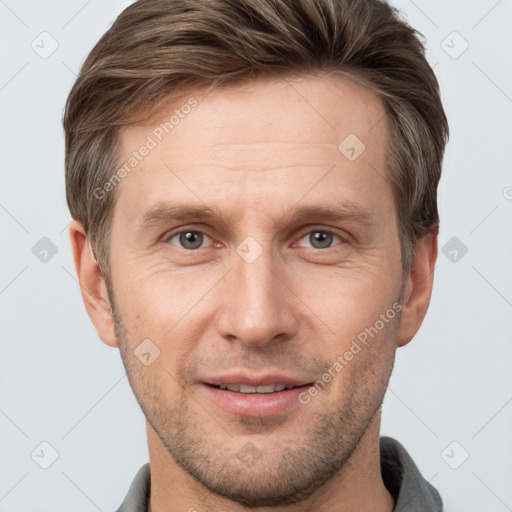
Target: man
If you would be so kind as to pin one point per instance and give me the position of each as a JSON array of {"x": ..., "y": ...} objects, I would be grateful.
[{"x": 253, "y": 184}]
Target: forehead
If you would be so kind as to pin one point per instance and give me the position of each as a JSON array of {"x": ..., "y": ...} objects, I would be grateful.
[
  {"x": 329, "y": 106},
  {"x": 256, "y": 135}
]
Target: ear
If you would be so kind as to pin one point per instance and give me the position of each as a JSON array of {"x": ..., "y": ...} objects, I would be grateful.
[
  {"x": 418, "y": 289},
  {"x": 92, "y": 285}
]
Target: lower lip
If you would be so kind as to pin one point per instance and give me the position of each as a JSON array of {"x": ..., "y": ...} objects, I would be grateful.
[{"x": 255, "y": 404}]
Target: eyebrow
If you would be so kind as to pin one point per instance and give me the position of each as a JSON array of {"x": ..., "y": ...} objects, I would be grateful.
[
  {"x": 165, "y": 212},
  {"x": 345, "y": 211},
  {"x": 161, "y": 213}
]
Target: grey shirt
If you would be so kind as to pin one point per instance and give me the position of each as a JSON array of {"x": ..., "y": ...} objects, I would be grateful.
[{"x": 401, "y": 477}]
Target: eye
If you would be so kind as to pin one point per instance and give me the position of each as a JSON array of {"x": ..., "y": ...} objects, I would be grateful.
[
  {"x": 189, "y": 239},
  {"x": 320, "y": 238}
]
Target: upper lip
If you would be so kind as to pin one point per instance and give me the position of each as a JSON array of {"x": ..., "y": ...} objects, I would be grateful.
[{"x": 255, "y": 380}]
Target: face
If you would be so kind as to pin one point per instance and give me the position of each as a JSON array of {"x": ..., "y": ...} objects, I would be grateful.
[{"x": 250, "y": 250}]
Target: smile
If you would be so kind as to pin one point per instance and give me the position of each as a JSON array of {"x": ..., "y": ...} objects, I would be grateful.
[{"x": 244, "y": 388}]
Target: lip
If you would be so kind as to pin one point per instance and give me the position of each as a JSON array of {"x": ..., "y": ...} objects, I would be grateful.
[{"x": 254, "y": 405}]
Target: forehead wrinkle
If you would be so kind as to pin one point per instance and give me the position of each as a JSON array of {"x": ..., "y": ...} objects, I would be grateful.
[{"x": 264, "y": 156}]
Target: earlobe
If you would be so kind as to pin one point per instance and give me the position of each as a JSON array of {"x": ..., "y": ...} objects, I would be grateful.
[
  {"x": 418, "y": 289},
  {"x": 92, "y": 285}
]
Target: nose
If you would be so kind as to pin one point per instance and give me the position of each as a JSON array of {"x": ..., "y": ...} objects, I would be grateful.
[{"x": 258, "y": 304}]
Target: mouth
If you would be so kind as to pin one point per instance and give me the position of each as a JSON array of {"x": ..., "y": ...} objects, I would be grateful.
[
  {"x": 247, "y": 396},
  {"x": 247, "y": 389}
]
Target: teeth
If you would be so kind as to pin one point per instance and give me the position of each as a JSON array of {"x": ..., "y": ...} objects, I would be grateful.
[
  {"x": 266, "y": 389},
  {"x": 244, "y": 388},
  {"x": 247, "y": 389}
]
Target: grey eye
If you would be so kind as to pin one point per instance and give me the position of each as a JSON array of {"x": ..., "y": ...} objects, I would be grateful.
[
  {"x": 190, "y": 239},
  {"x": 320, "y": 239}
]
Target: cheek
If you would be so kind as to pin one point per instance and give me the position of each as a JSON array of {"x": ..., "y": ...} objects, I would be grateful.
[
  {"x": 155, "y": 342},
  {"x": 153, "y": 354},
  {"x": 347, "y": 302},
  {"x": 155, "y": 300}
]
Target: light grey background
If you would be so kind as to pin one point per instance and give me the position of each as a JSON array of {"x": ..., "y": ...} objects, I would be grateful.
[{"x": 61, "y": 385}]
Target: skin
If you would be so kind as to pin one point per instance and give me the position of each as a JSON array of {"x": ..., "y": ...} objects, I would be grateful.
[{"x": 252, "y": 152}]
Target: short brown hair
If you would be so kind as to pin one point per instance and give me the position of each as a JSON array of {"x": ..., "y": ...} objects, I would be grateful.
[{"x": 157, "y": 49}]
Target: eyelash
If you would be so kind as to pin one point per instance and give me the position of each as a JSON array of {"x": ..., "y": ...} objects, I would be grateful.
[{"x": 342, "y": 239}]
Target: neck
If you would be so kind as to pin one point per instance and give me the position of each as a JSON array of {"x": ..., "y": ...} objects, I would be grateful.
[{"x": 358, "y": 485}]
